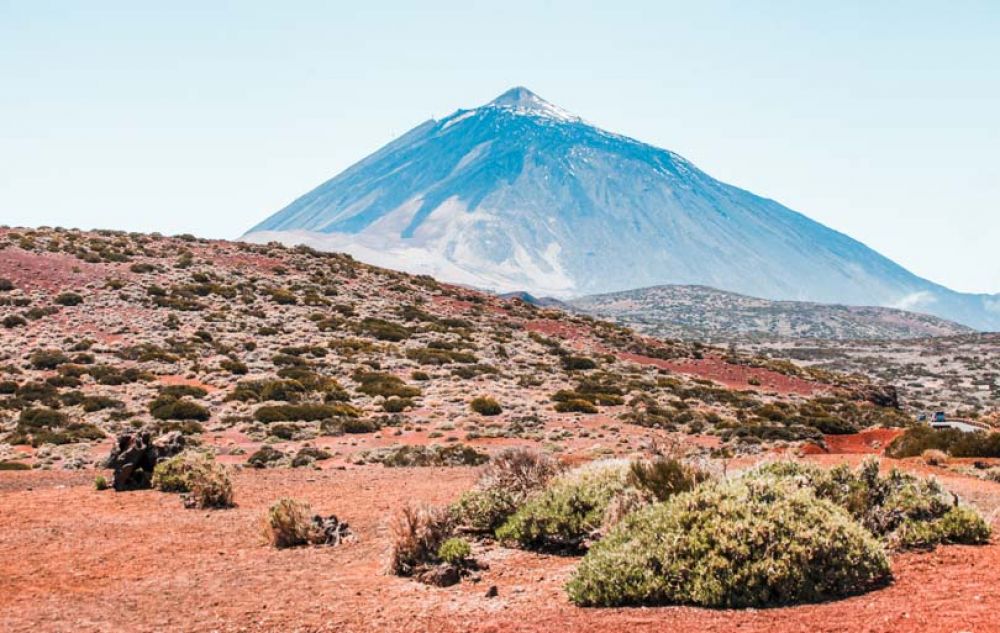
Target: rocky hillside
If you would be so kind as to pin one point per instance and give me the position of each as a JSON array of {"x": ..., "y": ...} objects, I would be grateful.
[
  {"x": 702, "y": 313},
  {"x": 274, "y": 355}
]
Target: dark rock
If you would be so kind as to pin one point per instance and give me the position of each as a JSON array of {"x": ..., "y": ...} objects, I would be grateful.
[
  {"x": 330, "y": 530},
  {"x": 440, "y": 575},
  {"x": 879, "y": 395},
  {"x": 492, "y": 592},
  {"x": 134, "y": 456}
]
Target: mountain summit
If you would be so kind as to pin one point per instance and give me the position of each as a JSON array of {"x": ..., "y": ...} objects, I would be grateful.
[{"x": 519, "y": 194}]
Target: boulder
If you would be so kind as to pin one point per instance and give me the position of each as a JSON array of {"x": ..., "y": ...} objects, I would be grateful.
[{"x": 135, "y": 454}]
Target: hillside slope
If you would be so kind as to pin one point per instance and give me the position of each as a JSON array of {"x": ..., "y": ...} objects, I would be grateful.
[
  {"x": 520, "y": 195},
  {"x": 702, "y": 313}
]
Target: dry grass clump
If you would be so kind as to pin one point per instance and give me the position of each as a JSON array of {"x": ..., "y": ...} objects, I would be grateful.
[
  {"x": 934, "y": 457},
  {"x": 418, "y": 532},
  {"x": 288, "y": 523},
  {"x": 291, "y": 523}
]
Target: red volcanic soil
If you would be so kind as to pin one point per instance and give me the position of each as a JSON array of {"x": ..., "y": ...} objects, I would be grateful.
[
  {"x": 870, "y": 441},
  {"x": 175, "y": 380},
  {"x": 733, "y": 376},
  {"x": 51, "y": 272},
  {"x": 75, "y": 559},
  {"x": 552, "y": 327}
]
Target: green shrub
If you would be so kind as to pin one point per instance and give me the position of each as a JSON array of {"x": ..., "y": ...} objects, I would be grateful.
[
  {"x": 737, "y": 544},
  {"x": 176, "y": 473},
  {"x": 385, "y": 385},
  {"x": 14, "y": 466},
  {"x": 266, "y": 390},
  {"x": 454, "y": 551},
  {"x": 167, "y": 407},
  {"x": 385, "y": 330},
  {"x": 397, "y": 405},
  {"x": 6, "y": 285},
  {"x": 408, "y": 455},
  {"x": 510, "y": 477},
  {"x": 887, "y": 506},
  {"x": 569, "y": 510},
  {"x": 12, "y": 321},
  {"x": 955, "y": 443},
  {"x": 182, "y": 391},
  {"x": 577, "y": 363},
  {"x": 47, "y": 359},
  {"x": 575, "y": 405},
  {"x": 236, "y": 367},
  {"x": 304, "y": 412},
  {"x": 69, "y": 299},
  {"x": 959, "y": 524},
  {"x": 484, "y": 405},
  {"x": 100, "y": 482},
  {"x": 265, "y": 457}
]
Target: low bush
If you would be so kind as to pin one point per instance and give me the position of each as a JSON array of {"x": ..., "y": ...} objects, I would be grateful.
[
  {"x": 506, "y": 482},
  {"x": 567, "y": 512},
  {"x": 484, "y": 405},
  {"x": 890, "y": 506},
  {"x": 304, "y": 412},
  {"x": 385, "y": 385},
  {"x": 385, "y": 330},
  {"x": 955, "y": 443},
  {"x": 407, "y": 455},
  {"x": 206, "y": 482},
  {"x": 266, "y": 390},
  {"x": 575, "y": 405},
  {"x": 737, "y": 544},
  {"x": 265, "y": 457},
  {"x": 47, "y": 359},
  {"x": 934, "y": 457},
  {"x": 69, "y": 299},
  {"x": 12, "y": 321},
  {"x": 454, "y": 551},
  {"x": 167, "y": 407}
]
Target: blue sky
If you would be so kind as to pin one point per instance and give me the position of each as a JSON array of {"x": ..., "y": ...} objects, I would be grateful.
[{"x": 879, "y": 119}]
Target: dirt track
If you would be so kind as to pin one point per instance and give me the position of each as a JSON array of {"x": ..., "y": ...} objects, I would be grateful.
[{"x": 75, "y": 559}]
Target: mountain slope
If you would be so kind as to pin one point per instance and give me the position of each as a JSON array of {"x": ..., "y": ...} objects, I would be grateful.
[
  {"x": 521, "y": 195},
  {"x": 706, "y": 313}
]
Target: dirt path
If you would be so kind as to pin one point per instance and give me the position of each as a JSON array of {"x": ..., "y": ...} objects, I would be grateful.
[{"x": 75, "y": 559}]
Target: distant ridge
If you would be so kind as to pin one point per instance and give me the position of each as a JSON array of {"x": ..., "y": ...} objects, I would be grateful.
[{"x": 699, "y": 312}]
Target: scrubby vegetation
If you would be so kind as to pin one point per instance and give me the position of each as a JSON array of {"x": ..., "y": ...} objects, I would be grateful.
[
  {"x": 569, "y": 510},
  {"x": 484, "y": 405},
  {"x": 206, "y": 483},
  {"x": 952, "y": 442},
  {"x": 505, "y": 483},
  {"x": 747, "y": 543}
]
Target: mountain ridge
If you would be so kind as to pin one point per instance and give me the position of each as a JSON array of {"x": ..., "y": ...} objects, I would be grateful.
[
  {"x": 518, "y": 194},
  {"x": 721, "y": 316}
]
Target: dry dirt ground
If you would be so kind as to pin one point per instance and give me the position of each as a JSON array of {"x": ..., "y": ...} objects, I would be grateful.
[{"x": 76, "y": 559}]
